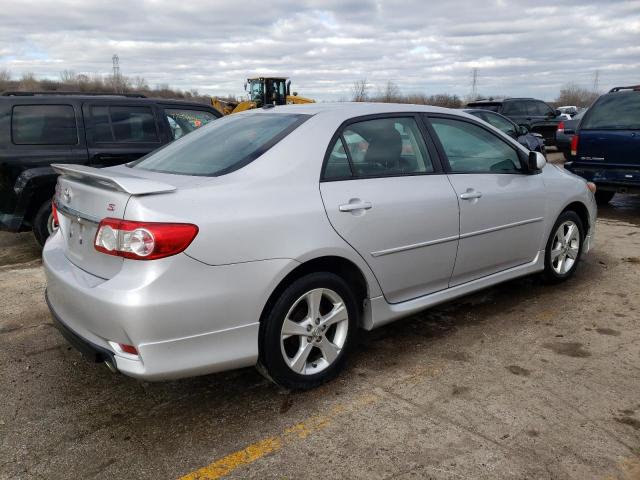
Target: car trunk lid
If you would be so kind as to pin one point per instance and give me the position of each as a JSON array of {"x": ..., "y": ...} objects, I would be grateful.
[{"x": 85, "y": 196}]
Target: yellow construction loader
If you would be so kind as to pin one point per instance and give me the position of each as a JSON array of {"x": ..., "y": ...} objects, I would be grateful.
[{"x": 262, "y": 91}]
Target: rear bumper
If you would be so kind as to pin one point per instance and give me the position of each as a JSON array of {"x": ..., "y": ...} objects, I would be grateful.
[
  {"x": 610, "y": 178},
  {"x": 90, "y": 351},
  {"x": 184, "y": 317}
]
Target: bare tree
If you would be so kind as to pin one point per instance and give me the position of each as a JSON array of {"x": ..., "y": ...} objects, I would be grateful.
[
  {"x": 28, "y": 82},
  {"x": 68, "y": 77},
  {"x": 390, "y": 94},
  {"x": 5, "y": 79},
  {"x": 573, "y": 94},
  {"x": 359, "y": 91}
]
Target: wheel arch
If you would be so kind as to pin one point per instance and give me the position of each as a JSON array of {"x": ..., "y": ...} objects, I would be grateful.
[
  {"x": 582, "y": 211},
  {"x": 338, "y": 265}
]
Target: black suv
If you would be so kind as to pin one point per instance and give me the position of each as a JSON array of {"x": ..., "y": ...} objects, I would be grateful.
[
  {"x": 534, "y": 114},
  {"x": 38, "y": 129}
]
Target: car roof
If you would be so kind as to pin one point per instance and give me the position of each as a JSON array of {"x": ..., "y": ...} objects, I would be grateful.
[
  {"x": 353, "y": 109},
  {"x": 346, "y": 111},
  {"x": 44, "y": 98},
  {"x": 498, "y": 102}
]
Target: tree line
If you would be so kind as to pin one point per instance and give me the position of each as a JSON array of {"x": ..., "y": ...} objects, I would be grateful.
[
  {"x": 361, "y": 90},
  {"x": 70, "y": 81}
]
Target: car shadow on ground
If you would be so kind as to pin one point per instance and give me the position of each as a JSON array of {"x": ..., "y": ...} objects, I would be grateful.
[{"x": 623, "y": 207}]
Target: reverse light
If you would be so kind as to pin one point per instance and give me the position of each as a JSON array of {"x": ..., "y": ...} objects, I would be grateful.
[
  {"x": 574, "y": 145},
  {"x": 143, "y": 240},
  {"x": 560, "y": 127}
]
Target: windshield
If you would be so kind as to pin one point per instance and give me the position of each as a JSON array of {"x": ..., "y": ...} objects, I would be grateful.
[
  {"x": 222, "y": 146},
  {"x": 615, "y": 111},
  {"x": 255, "y": 90}
]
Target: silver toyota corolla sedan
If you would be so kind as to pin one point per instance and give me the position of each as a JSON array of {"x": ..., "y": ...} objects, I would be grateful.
[{"x": 271, "y": 237}]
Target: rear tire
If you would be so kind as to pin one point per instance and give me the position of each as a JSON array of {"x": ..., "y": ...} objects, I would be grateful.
[
  {"x": 603, "y": 196},
  {"x": 564, "y": 248},
  {"x": 43, "y": 224},
  {"x": 311, "y": 348}
]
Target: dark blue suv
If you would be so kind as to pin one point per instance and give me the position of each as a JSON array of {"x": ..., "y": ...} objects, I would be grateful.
[{"x": 606, "y": 146}]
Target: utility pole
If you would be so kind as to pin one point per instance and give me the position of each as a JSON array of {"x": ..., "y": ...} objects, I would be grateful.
[
  {"x": 474, "y": 84},
  {"x": 596, "y": 81},
  {"x": 116, "y": 72}
]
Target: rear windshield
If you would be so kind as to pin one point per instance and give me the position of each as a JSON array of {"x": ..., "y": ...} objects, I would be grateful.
[
  {"x": 615, "y": 111},
  {"x": 222, "y": 146}
]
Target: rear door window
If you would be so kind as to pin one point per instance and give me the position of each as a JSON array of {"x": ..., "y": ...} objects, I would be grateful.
[
  {"x": 378, "y": 148},
  {"x": 615, "y": 111},
  {"x": 124, "y": 124},
  {"x": 44, "y": 125},
  {"x": 472, "y": 149},
  {"x": 222, "y": 146},
  {"x": 183, "y": 121},
  {"x": 515, "y": 108}
]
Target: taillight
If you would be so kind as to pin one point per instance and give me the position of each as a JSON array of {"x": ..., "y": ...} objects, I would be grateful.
[
  {"x": 143, "y": 240},
  {"x": 54, "y": 211},
  {"x": 574, "y": 145},
  {"x": 560, "y": 127}
]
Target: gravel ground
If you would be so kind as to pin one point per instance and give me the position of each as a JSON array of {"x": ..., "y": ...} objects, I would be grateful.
[{"x": 523, "y": 380}]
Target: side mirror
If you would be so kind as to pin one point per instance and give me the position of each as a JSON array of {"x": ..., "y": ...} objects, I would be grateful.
[
  {"x": 288, "y": 87},
  {"x": 557, "y": 112},
  {"x": 536, "y": 161}
]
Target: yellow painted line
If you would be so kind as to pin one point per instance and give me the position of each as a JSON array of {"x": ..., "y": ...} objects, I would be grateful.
[{"x": 255, "y": 451}]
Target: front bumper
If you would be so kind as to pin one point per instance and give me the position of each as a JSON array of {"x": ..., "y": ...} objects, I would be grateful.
[{"x": 184, "y": 317}]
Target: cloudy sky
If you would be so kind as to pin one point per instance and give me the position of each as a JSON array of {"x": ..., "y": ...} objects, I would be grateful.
[{"x": 519, "y": 47}]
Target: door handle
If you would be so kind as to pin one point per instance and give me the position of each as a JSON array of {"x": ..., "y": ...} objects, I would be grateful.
[
  {"x": 355, "y": 204},
  {"x": 470, "y": 194}
]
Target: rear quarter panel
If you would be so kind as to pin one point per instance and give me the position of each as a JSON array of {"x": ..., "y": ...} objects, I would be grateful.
[{"x": 269, "y": 209}]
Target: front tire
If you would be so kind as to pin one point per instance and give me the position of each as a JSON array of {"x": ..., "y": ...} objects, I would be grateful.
[
  {"x": 564, "y": 247},
  {"x": 309, "y": 331},
  {"x": 43, "y": 224}
]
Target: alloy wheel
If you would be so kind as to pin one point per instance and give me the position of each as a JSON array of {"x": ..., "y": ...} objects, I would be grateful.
[
  {"x": 314, "y": 331},
  {"x": 565, "y": 247}
]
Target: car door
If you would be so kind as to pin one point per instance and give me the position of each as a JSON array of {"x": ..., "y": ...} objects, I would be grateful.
[
  {"x": 501, "y": 205},
  {"x": 542, "y": 119},
  {"x": 384, "y": 192},
  {"x": 119, "y": 132}
]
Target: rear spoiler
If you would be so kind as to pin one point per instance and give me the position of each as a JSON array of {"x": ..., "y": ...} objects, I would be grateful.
[{"x": 115, "y": 180}]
